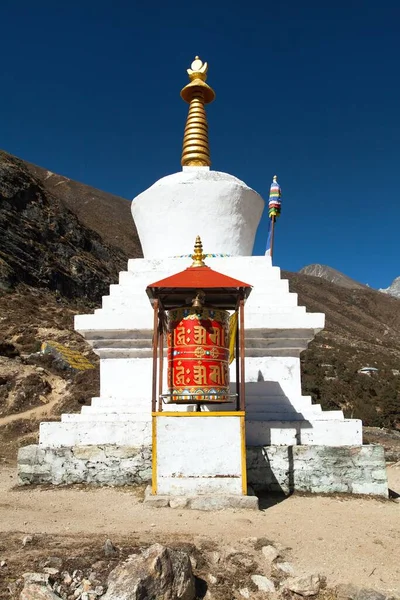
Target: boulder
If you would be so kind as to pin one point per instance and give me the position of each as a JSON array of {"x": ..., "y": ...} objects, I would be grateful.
[
  {"x": 270, "y": 553},
  {"x": 109, "y": 549},
  {"x": 157, "y": 572},
  {"x": 306, "y": 586},
  {"x": 36, "y": 591},
  {"x": 263, "y": 583}
]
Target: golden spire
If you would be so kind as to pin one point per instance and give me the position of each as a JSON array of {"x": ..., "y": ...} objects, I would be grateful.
[
  {"x": 198, "y": 256},
  {"x": 195, "y": 150}
]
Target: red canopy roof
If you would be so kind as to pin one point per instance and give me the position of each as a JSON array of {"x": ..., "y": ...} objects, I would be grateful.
[
  {"x": 221, "y": 291},
  {"x": 199, "y": 277}
]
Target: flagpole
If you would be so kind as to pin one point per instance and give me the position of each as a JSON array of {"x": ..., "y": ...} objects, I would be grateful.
[
  {"x": 272, "y": 236},
  {"x": 274, "y": 210}
]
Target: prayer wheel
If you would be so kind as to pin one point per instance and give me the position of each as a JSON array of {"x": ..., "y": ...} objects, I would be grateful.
[{"x": 198, "y": 355}]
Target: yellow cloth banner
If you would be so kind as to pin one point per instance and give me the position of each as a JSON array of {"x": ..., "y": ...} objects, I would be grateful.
[{"x": 233, "y": 321}]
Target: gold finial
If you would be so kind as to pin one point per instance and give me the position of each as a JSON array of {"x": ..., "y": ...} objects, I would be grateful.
[
  {"x": 198, "y": 256},
  {"x": 197, "y": 93}
]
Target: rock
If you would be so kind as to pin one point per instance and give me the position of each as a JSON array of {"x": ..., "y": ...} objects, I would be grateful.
[
  {"x": 306, "y": 586},
  {"x": 12, "y": 588},
  {"x": 99, "y": 565},
  {"x": 3, "y": 563},
  {"x": 77, "y": 575},
  {"x": 367, "y": 594},
  {"x": 67, "y": 579},
  {"x": 239, "y": 558},
  {"x": 51, "y": 561},
  {"x": 212, "y": 579},
  {"x": 28, "y": 539},
  {"x": 263, "y": 583},
  {"x": 36, "y": 591},
  {"x": 270, "y": 553},
  {"x": 284, "y": 568},
  {"x": 109, "y": 549},
  {"x": 178, "y": 502},
  {"x": 244, "y": 592},
  {"x": 99, "y": 589},
  {"x": 90, "y": 595},
  {"x": 42, "y": 578},
  {"x": 347, "y": 592},
  {"x": 158, "y": 572},
  {"x": 51, "y": 570},
  {"x": 214, "y": 557}
]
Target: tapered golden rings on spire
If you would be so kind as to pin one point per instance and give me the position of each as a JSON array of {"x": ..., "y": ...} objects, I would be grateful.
[
  {"x": 197, "y": 93},
  {"x": 198, "y": 256}
]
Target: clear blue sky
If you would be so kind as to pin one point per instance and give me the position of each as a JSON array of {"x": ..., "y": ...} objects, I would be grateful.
[{"x": 307, "y": 90}]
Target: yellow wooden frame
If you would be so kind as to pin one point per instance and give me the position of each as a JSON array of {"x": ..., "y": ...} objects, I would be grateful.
[{"x": 239, "y": 414}]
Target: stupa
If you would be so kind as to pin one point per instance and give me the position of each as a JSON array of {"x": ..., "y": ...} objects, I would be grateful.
[{"x": 292, "y": 444}]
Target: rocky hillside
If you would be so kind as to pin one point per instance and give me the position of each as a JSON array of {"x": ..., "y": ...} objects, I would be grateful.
[
  {"x": 108, "y": 215},
  {"x": 331, "y": 275},
  {"x": 46, "y": 242},
  {"x": 362, "y": 329}
]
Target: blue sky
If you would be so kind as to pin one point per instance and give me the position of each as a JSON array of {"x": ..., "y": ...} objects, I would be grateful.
[{"x": 306, "y": 90}]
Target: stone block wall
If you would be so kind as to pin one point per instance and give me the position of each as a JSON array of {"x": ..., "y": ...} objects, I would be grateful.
[
  {"x": 318, "y": 469},
  {"x": 98, "y": 465},
  {"x": 312, "y": 469}
]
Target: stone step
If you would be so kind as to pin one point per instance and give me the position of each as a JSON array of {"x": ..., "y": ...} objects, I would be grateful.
[
  {"x": 329, "y": 415},
  {"x": 284, "y": 411},
  {"x": 96, "y": 416},
  {"x": 103, "y": 321},
  {"x": 237, "y": 268},
  {"x": 320, "y": 433},
  {"x": 258, "y": 433},
  {"x": 292, "y": 320},
  {"x": 140, "y": 280},
  {"x": 124, "y": 296},
  {"x": 271, "y": 403},
  {"x": 129, "y": 433}
]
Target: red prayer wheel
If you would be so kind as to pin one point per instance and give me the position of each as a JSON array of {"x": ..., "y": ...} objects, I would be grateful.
[{"x": 198, "y": 355}]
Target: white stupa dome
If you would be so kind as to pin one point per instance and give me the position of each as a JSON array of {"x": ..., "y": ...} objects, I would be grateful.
[{"x": 219, "y": 207}]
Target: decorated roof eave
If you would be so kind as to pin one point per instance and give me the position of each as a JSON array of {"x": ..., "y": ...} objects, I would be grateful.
[{"x": 223, "y": 298}]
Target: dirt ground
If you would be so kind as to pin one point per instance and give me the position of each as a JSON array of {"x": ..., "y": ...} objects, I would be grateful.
[{"x": 349, "y": 540}]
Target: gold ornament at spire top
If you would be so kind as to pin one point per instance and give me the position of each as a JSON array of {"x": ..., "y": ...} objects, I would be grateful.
[
  {"x": 198, "y": 256},
  {"x": 197, "y": 93}
]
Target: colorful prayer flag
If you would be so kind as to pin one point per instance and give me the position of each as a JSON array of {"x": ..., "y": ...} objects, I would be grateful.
[{"x": 274, "y": 206}]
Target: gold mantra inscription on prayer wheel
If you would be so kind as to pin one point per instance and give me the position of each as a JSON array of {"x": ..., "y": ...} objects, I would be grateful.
[{"x": 198, "y": 355}]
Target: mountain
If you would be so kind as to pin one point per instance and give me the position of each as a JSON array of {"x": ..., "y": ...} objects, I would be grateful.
[
  {"x": 108, "y": 215},
  {"x": 62, "y": 243},
  {"x": 332, "y": 275},
  {"x": 393, "y": 289},
  {"x": 59, "y": 234}
]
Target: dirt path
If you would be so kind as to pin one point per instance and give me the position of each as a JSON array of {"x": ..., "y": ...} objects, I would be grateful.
[
  {"x": 348, "y": 540},
  {"x": 58, "y": 390}
]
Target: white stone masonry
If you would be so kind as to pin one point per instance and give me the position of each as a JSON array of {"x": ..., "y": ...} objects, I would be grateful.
[{"x": 277, "y": 331}]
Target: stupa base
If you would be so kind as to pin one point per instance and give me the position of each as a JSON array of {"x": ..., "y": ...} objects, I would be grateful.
[{"x": 270, "y": 469}]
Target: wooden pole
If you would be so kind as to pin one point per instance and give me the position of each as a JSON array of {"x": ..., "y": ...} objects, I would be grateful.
[
  {"x": 272, "y": 235},
  {"x": 155, "y": 345},
  {"x": 242, "y": 355},
  {"x": 237, "y": 361},
  {"x": 160, "y": 358}
]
